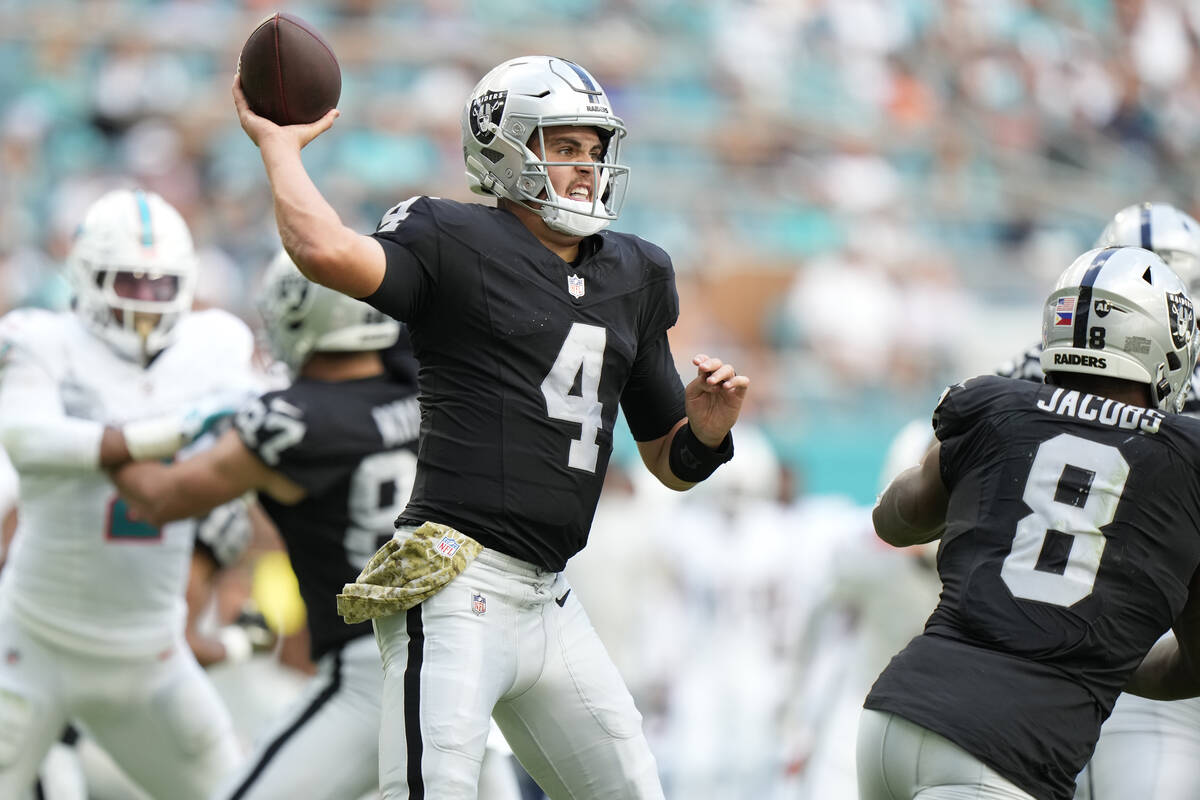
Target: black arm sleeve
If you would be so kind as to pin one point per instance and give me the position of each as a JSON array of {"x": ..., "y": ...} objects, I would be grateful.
[{"x": 653, "y": 400}]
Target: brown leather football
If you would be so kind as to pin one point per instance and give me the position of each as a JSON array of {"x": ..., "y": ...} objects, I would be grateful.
[{"x": 289, "y": 73}]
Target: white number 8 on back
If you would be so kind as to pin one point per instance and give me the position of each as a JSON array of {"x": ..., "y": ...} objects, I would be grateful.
[{"x": 1074, "y": 487}]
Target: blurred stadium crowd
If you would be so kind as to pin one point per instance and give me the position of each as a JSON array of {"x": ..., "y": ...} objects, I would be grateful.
[
  {"x": 858, "y": 194},
  {"x": 865, "y": 200}
]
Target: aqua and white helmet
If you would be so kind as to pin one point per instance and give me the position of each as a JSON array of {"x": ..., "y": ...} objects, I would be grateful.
[
  {"x": 518, "y": 100},
  {"x": 1163, "y": 228},
  {"x": 1123, "y": 313},
  {"x": 133, "y": 271},
  {"x": 301, "y": 317}
]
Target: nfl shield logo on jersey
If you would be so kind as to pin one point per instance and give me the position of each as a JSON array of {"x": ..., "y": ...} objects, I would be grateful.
[
  {"x": 447, "y": 547},
  {"x": 478, "y": 604},
  {"x": 575, "y": 286}
]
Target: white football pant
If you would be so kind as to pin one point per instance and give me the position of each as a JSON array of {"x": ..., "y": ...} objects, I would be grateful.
[
  {"x": 509, "y": 640},
  {"x": 326, "y": 746},
  {"x": 159, "y": 718},
  {"x": 900, "y": 760}
]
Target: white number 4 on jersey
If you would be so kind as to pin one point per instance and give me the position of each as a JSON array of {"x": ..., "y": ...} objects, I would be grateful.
[{"x": 583, "y": 351}]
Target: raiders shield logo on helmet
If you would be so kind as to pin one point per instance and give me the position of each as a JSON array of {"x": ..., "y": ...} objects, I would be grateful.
[
  {"x": 293, "y": 293},
  {"x": 486, "y": 111},
  {"x": 1182, "y": 317}
]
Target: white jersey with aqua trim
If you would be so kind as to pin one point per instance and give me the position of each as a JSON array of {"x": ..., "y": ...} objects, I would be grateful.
[{"x": 81, "y": 572}]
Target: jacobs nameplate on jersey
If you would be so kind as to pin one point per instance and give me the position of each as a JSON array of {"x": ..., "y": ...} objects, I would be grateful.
[{"x": 1110, "y": 412}]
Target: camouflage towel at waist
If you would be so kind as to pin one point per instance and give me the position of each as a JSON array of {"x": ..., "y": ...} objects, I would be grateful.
[{"x": 407, "y": 571}]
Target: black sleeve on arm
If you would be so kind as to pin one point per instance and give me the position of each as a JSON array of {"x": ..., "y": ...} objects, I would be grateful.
[
  {"x": 406, "y": 282},
  {"x": 653, "y": 399}
]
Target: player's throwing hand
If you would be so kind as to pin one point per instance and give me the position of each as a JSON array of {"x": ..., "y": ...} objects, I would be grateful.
[{"x": 259, "y": 128}]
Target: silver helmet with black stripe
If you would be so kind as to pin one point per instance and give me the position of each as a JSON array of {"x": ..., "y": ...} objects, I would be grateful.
[
  {"x": 1121, "y": 312},
  {"x": 301, "y": 317},
  {"x": 515, "y": 102},
  {"x": 1163, "y": 228}
]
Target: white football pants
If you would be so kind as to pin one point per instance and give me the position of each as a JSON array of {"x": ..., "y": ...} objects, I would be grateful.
[
  {"x": 509, "y": 640},
  {"x": 326, "y": 746},
  {"x": 159, "y": 718},
  {"x": 1147, "y": 748},
  {"x": 900, "y": 760}
]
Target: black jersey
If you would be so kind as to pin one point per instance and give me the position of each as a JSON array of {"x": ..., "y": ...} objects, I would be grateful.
[
  {"x": 1072, "y": 533},
  {"x": 523, "y": 362},
  {"x": 1028, "y": 367},
  {"x": 352, "y": 446}
]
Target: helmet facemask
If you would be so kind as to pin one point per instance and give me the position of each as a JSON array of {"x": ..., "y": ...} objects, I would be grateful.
[
  {"x": 511, "y": 108},
  {"x": 565, "y": 214},
  {"x": 143, "y": 305}
]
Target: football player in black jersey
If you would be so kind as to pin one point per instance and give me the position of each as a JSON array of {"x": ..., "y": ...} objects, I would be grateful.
[
  {"x": 332, "y": 459},
  {"x": 1146, "y": 748},
  {"x": 531, "y": 324},
  {"x": 1069, "y": 519}
]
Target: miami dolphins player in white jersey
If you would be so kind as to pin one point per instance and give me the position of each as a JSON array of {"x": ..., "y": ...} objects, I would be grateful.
[
  {"x": 91, "y": 601},
  {"x": 1147, "y": 748}
]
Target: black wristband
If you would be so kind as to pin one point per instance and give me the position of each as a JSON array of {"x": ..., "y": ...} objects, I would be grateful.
[{"x": 691, "y": 460}]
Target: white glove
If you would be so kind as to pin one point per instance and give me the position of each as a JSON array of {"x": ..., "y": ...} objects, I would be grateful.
[{"x": 161, "y": 437}]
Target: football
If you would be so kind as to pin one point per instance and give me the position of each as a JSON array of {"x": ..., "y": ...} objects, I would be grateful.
[{"x": 289, "y": 73}]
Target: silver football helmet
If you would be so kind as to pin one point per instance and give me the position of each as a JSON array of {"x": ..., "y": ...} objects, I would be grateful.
[
  {"x": 516, "y": 101},
  {"x": 1123, "y": 313},
  {"x": 1163, "y": 228},
  {"x": 133, "y": 271},
  {"x": 301, "y": 317}
]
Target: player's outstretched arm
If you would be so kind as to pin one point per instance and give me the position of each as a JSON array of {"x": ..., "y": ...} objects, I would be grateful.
[
  {"x": 1171, "y": 670},
  {"x": 38, "y": 434},
  {"x": 700, "y": 442},
  {"x": 159, "y": 493},
  {"x": 326, "y": 251},
  {"x": 912, "y": 509}
]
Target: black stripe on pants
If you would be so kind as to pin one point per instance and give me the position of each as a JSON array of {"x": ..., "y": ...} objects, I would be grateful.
[
  {"x": 275, "y": 746},
  {"x": 412, "y": 703}
]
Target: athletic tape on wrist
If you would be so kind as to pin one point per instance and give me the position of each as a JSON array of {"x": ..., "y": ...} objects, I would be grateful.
[
  {"x": 151, "y": 439},
  {"x": 691, "y": 460}
]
